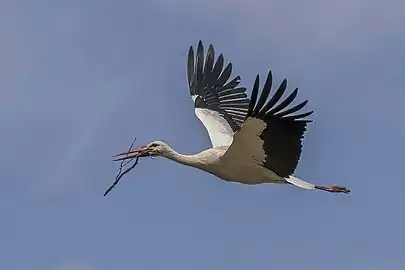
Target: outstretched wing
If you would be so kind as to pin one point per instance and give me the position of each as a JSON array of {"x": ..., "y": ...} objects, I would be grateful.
[
  {"x": 219, "y": 103},
  {"x": 271, "y": 135}
]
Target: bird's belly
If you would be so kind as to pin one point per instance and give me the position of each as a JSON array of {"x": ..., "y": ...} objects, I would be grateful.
[{"x": 245, "y": 173}]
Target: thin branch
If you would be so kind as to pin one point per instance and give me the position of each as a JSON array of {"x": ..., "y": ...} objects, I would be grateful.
[
  {"x": 120, "y": 174},
  {"x": 124, "y": 164}
]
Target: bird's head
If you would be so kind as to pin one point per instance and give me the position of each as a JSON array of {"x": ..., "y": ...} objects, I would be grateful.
[{"x": 155, "y": 148}]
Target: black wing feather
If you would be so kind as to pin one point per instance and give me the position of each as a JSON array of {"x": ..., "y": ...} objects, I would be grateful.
[
  {"x": 225, "y": 75},
  {"x": 219, "y": 64},
  {"x": 253, "y": 97},
  {"x": 231, "y": 85},
  {"x": 283, "y": 134},
  {"x": 274, "y": 99},
  {"x": 212, "y": 88},
  {"x": 293, "y": 109},
  {"x": 209, "y": 63},
  {"x": 200, "y": 64},
  {"x": 266, "y": 92},
  {"x": 285, "y": 102},
  {"x": 190, "y": 71}
]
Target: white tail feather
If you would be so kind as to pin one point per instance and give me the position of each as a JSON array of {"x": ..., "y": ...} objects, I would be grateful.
[{"x": 299, "y": 183}]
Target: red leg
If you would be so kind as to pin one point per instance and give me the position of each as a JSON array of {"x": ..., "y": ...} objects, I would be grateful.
[{"x": 333, "y": 189}]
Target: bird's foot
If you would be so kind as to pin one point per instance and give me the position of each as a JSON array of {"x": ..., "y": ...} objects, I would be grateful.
[
  {"x": 339, "y": 189},
  {"x": 334, "y": 189}
]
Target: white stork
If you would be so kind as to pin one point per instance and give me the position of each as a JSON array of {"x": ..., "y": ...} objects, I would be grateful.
[{"x": 253, "y": 141}]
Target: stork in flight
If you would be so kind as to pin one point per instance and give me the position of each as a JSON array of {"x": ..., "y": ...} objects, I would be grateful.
[{"x": 253, "y": 141}]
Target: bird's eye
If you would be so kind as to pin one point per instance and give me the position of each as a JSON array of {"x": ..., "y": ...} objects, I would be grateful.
[{"x": 154, "y": 145}]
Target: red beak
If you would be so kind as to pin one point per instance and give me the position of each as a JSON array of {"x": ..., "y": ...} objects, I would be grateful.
[{"x": 133, "y": 153}]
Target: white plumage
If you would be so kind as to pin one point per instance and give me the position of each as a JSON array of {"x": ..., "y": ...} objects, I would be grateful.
[
  {"x": 218, "y": 129},
  {"x": 254, "y": 141}
]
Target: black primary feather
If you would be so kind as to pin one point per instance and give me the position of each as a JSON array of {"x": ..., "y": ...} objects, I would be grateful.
[
  {"x": 284, "y": 132},
  {"x": 210, "y": 84}
]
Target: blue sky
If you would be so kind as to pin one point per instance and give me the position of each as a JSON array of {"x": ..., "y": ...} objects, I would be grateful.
[{"x": 79, "y": 79}]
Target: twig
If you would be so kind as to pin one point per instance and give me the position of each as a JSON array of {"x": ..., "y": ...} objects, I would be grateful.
[
  {"x": 122, "y": 165},
  {"x": 120, "y": 175}
]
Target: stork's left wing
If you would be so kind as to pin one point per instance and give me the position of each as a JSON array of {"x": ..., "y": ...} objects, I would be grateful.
[
  {"x": 270, "y": 135},
  {"x": 219, "y": 103}
]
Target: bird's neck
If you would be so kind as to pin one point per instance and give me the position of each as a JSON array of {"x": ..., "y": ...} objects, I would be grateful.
[{"x": 188, "y": 160}]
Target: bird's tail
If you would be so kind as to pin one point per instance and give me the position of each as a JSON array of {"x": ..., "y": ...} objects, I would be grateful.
[{"x": 299, "y": 183}]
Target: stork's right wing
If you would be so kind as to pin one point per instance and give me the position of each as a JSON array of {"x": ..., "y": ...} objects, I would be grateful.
[
  {"x": 270, "y": 135},
  {"x": 219, "y": 104}
]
